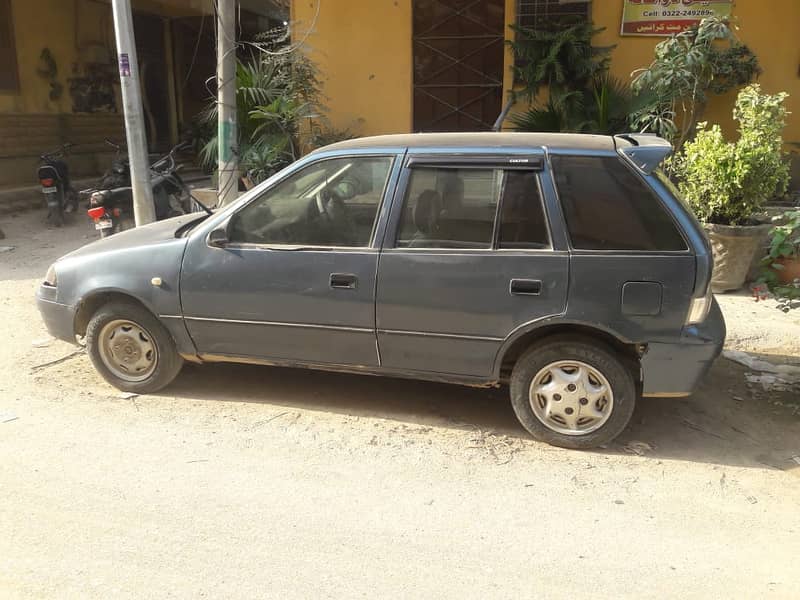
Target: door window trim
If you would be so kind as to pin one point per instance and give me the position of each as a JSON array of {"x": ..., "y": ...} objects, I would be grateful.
[
  {"x": 369, "y": 248},
  {"x": 504, "y": 162}
]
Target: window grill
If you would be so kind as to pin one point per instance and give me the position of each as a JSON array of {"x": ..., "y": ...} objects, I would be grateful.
[{"x": 546, "y": 14}]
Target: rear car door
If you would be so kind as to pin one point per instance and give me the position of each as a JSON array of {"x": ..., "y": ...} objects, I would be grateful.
[
  {"x": 468, "y": 257},
  {"x": 295, "y": 280},
  {"x": 632, "y": 268}
]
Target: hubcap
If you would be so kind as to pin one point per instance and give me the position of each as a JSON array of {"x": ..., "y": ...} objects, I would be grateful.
[
  {"x": 127, "y": 350},
  {"x": 571, "y": 397}
]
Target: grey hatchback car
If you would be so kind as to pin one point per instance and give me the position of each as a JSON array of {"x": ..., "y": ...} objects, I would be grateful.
[{"x": 563, "y": 265}]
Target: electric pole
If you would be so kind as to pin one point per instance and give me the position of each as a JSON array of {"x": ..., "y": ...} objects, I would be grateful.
[
  {"x": 228, "y": 170},
  {"x": 143, "y": 207}
]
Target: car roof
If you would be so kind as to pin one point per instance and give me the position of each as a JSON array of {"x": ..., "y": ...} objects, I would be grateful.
[{"x": 487, "y": 140}]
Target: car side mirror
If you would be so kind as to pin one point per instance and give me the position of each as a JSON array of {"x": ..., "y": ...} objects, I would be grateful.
[{"x": 218, "y": 238}]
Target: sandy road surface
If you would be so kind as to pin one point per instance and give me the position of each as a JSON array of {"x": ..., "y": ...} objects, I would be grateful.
[{"x": 243, "y": 481}]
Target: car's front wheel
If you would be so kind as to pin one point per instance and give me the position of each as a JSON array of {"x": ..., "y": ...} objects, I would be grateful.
[
  {"x": 573, "y": 393},
  {"x": 131, "y": 349}
]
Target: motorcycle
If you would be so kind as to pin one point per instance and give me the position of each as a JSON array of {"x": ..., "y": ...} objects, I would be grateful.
[
  {"x": 110, "y": 206},
  {"x": 54, "y": 178},
  {"x": 119, "y": 175}
]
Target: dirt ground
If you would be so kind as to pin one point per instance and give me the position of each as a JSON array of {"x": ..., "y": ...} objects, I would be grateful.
[{"x": 242, "y": 481}]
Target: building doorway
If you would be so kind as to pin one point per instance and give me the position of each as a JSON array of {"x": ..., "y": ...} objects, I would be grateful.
[{"x": 458, "y": 64}]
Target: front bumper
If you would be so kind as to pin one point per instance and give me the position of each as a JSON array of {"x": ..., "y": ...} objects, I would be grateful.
[
  {"x": 676, "y": 369},
  {"x": 58, "y": 318}
]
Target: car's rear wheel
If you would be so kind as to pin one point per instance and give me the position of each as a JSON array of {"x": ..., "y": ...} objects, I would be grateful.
[
  {"x": 572, "y": 392},
  {"x": 131, "y": 349}
]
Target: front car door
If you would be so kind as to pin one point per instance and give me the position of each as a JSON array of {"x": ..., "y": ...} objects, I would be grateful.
[
  {"x": 295, "y": 280},
  {"x": 468, "y": 258}
]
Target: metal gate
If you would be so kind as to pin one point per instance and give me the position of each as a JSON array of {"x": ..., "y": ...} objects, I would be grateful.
[{"x": 458, "y": 64}]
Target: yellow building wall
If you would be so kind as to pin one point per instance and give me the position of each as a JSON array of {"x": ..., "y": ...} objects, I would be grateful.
[
  {"x": 32, "y": 33},
  {"x": 363, "y": 49}
]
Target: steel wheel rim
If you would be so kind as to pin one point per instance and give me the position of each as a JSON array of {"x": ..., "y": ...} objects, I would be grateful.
[
  {"x": 127, "y": 350},
  {"x": 571, "y": 397}
]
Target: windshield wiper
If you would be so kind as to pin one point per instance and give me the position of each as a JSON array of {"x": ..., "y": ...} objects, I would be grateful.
[{"x": 200, "y": 204}]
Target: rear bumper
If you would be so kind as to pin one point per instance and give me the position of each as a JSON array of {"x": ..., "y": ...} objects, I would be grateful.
[
  {"x": 676, "y": 369},
  {"x": 58, "y": 318}
]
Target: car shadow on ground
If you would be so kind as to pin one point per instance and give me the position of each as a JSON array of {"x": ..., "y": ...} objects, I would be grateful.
[{"x": 725, "y": 422}]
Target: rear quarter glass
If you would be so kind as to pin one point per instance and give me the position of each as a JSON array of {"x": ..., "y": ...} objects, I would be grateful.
[{"x": 607, "y": 206}]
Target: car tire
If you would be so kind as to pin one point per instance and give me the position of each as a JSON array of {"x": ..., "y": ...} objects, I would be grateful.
[
  {"x": 557, "y": 393},
  {"x": 120, "y": 336}
]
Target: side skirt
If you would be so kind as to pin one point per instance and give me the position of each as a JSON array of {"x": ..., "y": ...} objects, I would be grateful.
[{"x": 477, "y": 382}]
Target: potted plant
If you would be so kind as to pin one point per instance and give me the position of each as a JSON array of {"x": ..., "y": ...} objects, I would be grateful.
[
  {"x": 781, "y": 266},
  {"x": 727, "y": 183}
]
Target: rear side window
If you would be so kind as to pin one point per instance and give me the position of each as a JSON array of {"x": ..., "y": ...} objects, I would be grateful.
[
  {"x": 457, "y": 208},
  {"x": 607, "y": 207}
]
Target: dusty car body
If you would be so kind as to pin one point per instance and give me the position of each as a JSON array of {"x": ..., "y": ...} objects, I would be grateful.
[{"x": 466, "y": 258}]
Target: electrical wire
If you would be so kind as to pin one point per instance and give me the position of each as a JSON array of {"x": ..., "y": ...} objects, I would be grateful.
[
  {"x": 196, "y": 49},
  {"x": 291, "y": 48}
]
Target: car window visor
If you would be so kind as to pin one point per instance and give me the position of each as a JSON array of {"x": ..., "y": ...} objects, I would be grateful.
[{"x": 509, "y": 161}]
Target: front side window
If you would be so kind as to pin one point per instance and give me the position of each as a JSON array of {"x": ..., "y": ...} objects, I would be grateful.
[
  {"x": 328, "y": 203},
  {"x": 607, "y": 207},
  {"x": 457, "y": 208}
]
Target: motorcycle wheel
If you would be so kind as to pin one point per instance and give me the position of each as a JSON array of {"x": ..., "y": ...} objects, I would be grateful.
[{"x": 55, "y": 214}]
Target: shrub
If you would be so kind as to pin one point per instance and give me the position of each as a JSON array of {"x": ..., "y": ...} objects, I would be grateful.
[{"x": 728, "y": 182}]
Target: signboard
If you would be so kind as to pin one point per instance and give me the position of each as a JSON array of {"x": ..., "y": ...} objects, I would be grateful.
[{"x": 666, "y": 17}]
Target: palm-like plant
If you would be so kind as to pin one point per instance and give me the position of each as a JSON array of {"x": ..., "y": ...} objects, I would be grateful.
[
  {"x": 274, "y": 93},
  {"x": 557, "y": 114},
  {"x": 558, "y": 57},
  {"x": 604, "y": 106}
]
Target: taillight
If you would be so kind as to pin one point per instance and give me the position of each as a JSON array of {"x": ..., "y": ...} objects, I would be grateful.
[
  {"x": 48, "y": 182},
  {"x": 699, "y": 308},
  {"x": 97, "y": 212}
]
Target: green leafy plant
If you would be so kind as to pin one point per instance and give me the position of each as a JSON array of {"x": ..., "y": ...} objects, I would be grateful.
[
  {"x": 581, "y": 95},
  {"x": 784, "y": 240},
  {"x": 557, "y": 114},
  {"x": 604, "y": 106},
  {"x": 728, "y": 182},
  {"x": 560, "y": 58},
  {"x": 687, "y": 67},
  {"x": 280, "y": 113},
  {"x": 275, "y": 93},
  {"x": 784, "y": 246}
]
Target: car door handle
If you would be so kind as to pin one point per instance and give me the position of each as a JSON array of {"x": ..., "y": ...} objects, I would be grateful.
[
  {"x": 343, "y": 281},
  {"x": 525, "y": 287}
]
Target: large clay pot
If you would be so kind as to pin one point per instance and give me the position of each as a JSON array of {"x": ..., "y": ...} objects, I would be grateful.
[
  {"x": 790, "y": 271},
  {"x": 734, "y": 248}
]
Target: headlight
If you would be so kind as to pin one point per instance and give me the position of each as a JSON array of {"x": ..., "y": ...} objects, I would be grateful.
[
  {"x": 698, "y": 309},
  {"x": 50, "y": 278}
]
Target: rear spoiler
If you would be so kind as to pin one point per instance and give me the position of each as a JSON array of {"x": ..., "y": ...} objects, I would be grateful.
[{"x": 645, "y": 151}]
